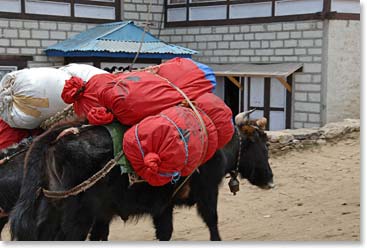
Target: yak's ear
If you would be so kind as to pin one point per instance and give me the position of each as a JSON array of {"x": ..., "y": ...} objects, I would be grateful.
[{"x": 261, "y": 122}]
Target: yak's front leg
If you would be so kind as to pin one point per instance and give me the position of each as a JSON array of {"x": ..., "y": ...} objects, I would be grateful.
[
  {"x": 207, "y": 208},
  {"x": 163, "y": 224},
  {"x": 76, "y": 222},
  {"x": 3, "y": 221},
  {"x": 100, "y": 229}
]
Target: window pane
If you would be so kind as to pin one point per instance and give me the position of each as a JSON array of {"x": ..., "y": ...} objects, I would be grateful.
[
  {"x": 248, "y": 10},
  {"x": 176, "y": 14},
  {"x": 107, "y": 1},
  {"x": 47, "y": 8},
  {"x": 292, "y": 7},
  {"x": 176, "y": 1},
  {"x": 277, "y": 120},
  {"x": 201, "y": 1},
  {"x": 277, "y": 94},
  {"x": 10, "y": 6},
  {"x": 208, "y": 12},
  {"x": 346, "y": 6},
  {"x": 90, "y": 11},
  {"x": 257, "y": 92}
]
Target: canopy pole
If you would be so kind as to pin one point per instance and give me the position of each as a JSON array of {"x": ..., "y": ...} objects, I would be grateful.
[
  {"x": 235, "y": 82},
  {"x": 285, "y": 83}
]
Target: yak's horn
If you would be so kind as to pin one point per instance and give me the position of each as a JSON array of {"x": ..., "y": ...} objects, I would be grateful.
[
  {"x": 242, "y": 117},
  {"x": 262, "y": 122}
]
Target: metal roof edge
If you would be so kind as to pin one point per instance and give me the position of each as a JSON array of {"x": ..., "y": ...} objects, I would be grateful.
[
  {"x": 57, "y": 53},
  {"x": 115, "y": 29}
]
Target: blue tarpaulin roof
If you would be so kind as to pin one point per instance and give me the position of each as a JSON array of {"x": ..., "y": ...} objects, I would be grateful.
[{"x": 119, "y": 40}]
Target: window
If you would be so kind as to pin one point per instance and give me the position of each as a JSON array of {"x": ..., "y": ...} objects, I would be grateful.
[
  {"x": 62, "y": 10},
  {"x": 221, "y": 12},
  {"x": 176, "y": 1},
  {"x": 6, "y": 69},
  {"x": 10, "y": 63},
  {"x": 203, "y": 1},
  {"x": 192, "y": 1}
]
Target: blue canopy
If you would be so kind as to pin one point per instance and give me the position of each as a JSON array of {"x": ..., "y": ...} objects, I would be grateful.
[{"x": 117, "y": 40}]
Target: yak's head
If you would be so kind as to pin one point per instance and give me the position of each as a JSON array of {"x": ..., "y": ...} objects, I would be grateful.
[{"x": 254, "y": 159}]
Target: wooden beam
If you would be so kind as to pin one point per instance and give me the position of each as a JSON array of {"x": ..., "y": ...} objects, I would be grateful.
[
  {"x": 285, "y": 83},
  {"x": 288, "y": 110},
  {"x": 234, "y": 81},
  {"x": 326, "y": 7},
  {"x": 267, "y": 86}
]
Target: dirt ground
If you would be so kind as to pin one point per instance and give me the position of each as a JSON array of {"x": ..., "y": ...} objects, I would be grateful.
[{"x": 317, "y": 197}]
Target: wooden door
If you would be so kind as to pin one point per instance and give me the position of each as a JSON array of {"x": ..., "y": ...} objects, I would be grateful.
[{"x": 271, "y": 101}]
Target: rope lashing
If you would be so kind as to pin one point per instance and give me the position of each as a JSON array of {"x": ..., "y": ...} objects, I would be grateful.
[{"x": 87, "y": 183}]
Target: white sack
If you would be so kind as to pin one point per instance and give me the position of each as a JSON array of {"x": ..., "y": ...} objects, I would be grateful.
[
  {"x": 83, "y": 71},
  {"x": 30, "y": 96}
]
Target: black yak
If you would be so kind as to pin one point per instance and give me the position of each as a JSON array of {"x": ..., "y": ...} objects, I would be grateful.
[
  {"x": 62, "y": 164},
  {"x": 11, "y": 175}
]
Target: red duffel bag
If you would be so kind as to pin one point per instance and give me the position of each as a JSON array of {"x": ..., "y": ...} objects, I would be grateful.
[
  {"x": 220, "y": 114},
  {"x": 185, "y": 72},
  {"x": 10, "y": 136},
  {"x": 162, "y": 147},
  {"x": 83, "y": 95},
  {"x": 133, "y": 96}
]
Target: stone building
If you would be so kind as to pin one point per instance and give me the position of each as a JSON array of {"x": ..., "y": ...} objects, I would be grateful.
[{"x": 322, "y": 36}]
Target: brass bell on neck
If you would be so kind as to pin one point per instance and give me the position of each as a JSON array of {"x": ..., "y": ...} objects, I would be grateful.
[{"x": 234, "y": 185}]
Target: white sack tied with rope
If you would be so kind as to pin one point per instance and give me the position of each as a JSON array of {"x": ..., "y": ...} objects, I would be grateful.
[
  {"x": 30, "y": 96},
  {"x": 82, "y": 71}
]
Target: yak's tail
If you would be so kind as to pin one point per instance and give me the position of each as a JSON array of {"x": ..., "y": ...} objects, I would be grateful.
[{"x": 26, "y": 215}]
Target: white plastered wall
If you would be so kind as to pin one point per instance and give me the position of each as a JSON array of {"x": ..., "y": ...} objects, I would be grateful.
[{"x": 342, "y": 75}]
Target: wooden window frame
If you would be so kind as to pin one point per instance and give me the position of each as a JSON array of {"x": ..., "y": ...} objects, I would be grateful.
[
  {"x": 72, "y": 18},
  {"x": 20, "y": 62},
  {"x": 266, "y": 109},
  {"x": 326, "y": 13}
]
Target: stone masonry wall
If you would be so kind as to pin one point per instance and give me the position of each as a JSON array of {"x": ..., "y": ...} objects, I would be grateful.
[
  {"x": 28, "y": 37},
  {"x": 266, "y": 43},
  {"x": 137, "y": 11},
  {"x": 300, "y": 42},
  {"x": 285, "y": 140}
]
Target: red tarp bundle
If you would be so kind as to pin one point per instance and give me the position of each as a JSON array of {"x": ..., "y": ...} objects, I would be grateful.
[
  {"x": 135, "y": 95},
  {"x": 220, "y": 114},
  {"x": 83, "y": 95},
  {"x": 10, "y": 136},
  {"x": 172, "y": 143},
  {"x": 169, "y": 141}
]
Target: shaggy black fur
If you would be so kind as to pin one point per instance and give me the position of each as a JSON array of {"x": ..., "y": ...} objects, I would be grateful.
[
  {"x": 11, "y": 174},
  {"x": 73, "y": 159}
]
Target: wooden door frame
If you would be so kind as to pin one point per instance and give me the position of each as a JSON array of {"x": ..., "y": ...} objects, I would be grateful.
[{"x": 227, "y": 83}]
